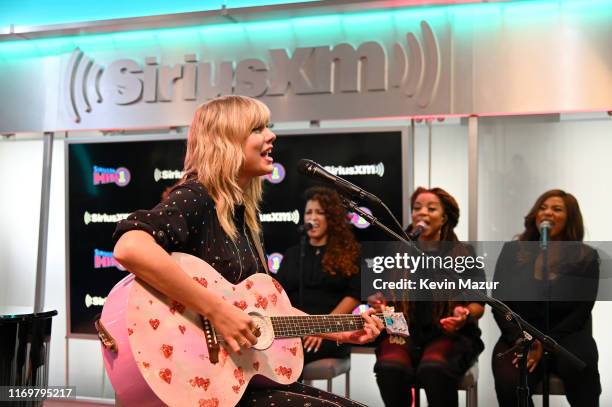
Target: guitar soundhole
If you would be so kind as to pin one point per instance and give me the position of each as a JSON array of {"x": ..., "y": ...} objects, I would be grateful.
[{"x": 264, "y": 325}]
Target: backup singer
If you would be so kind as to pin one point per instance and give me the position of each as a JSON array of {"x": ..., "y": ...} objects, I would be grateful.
[
  {"x": 330, "y": 271},
  {"x": 520, "y": 267},
  {"x": 444, "y": 337},
  {"x": 213, "y": 214}
]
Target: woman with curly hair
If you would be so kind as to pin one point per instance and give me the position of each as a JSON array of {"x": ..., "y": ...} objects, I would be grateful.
[{"x": 330, "y": 280}]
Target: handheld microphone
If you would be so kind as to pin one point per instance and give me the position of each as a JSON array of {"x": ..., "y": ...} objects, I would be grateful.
[
  {"x": 314, "y": 170},
  {"x": 545, "y": 227},
  {"x": 305, "y": 227},
  {"x": 417, "y": 230}
]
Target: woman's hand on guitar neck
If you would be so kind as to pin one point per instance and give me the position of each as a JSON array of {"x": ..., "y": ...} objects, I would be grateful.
[
  {"x": 371, "y": 329},
  {"x": 235, "y": 326},
  {"x": 377, "y": 301}
]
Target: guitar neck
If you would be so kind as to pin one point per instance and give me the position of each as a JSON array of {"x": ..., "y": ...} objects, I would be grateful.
[{"x": 304, "y": 325}]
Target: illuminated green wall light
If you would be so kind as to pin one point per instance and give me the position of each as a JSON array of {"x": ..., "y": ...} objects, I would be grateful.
[
  {"x": 22, "y": 13},
  {"x": 311, "y": 31}
]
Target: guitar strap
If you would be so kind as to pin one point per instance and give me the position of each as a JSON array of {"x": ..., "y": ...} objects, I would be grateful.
[{"x": 260, "y": 251}]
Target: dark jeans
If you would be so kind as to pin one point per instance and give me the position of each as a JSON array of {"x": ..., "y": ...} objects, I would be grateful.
[
  {"x": 582, "y": 388},
  {"x": 436, "y": 366}
]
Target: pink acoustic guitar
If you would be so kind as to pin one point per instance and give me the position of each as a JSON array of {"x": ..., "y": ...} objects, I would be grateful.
[{"x": 157, "y": 352}]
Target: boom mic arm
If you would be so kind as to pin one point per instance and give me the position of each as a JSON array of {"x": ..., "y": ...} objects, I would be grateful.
[{"x": 314, "y": 170}]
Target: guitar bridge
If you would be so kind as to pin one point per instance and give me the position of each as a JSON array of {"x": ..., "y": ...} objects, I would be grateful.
[{"x": 212, "y": 342}]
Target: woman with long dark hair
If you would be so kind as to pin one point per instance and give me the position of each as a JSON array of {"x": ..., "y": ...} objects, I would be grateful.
[
  {"x": 566, "y": 285},
  {"x": 444, "y": 338},
  {"x": 330, "y": 279}
]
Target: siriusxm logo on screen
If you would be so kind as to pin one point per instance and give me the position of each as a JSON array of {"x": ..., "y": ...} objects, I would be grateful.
[
  {"x": 95, "y": 301},
  {"x": 368, "y": 169},
  {"x": 274, "y": 262},
  {"x": 120, "y": 176},
  {"x": 104, "y": 259},
  {"x": 103, "y": 217},
  {"x": 357, "y": 220},
  {"x": 280, "y": 217},
  {"x": 411, "y": 66},
  {"x": 167, "y": 174},
  {"x": 277, "y": 175}
]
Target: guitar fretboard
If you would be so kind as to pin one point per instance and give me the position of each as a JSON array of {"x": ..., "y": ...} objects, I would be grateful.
[{"x": 297, "y": 326}]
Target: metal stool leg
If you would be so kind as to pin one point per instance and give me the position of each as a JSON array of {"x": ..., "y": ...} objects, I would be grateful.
[
  {"x": 347, "y": 385},
  {"x": 471, "y": 396},
  {"x": 329, "y": 385}
]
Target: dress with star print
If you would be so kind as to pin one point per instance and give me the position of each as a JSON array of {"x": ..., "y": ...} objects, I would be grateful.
[{"x": 186, "y": 221}]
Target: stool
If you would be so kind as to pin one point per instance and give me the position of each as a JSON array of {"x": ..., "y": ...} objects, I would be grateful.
[
  {"x": 327, "y": 369},
  {"x": 469, "y": 383}
]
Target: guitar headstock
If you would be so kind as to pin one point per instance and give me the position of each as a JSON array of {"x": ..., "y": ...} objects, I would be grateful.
[{"x": 395, "y": 323}]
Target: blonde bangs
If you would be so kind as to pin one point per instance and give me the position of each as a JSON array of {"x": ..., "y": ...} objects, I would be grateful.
[{"x": 215, "y": 155}]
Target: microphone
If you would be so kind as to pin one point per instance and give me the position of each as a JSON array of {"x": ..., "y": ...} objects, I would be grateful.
[
  {"x": 545, "y": 227},
  {"x": 305, "y": 227},
  {"x": 417, "y": 230},
  {"x": 314, "y": 170}
]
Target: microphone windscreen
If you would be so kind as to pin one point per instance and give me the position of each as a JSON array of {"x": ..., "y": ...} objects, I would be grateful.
[
  {"x": 306, "y": 227},
  {"x": 417, "y": 230},
  {"x": 545, "y": 224},
  {"x": 304, "y": 165}
]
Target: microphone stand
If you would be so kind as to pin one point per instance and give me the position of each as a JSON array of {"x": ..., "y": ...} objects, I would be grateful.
[
  {"x": 529, "y": 332},
  {"x": 351, "y": 205},
  {"x": 522, "y": 390},
  {"x": 546, "y": 379}
]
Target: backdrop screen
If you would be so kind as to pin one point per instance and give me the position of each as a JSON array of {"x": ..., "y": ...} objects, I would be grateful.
[
  {"x": 369, "y": 160},
  {"x": 109, "y": 180}
]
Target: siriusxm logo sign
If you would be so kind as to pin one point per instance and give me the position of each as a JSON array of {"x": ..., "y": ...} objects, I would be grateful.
[
  {"x": 410, "y": 67},
  {"x": 104, "y": 259},
  {"x": 280, "y": 217},
  {"x": 277, "y": 175},
  {"x": 357, "y": 220},
  {"x": 167, "y": 174},
  {"x": 120, "y": 176},
  {"x": 83, "y": 75},
  {"x": 95, "y": 301},
  {"x": 274, "y": 262},
  {"x": 103, "y": 217},
  {"x": 368, "y": 169}
]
